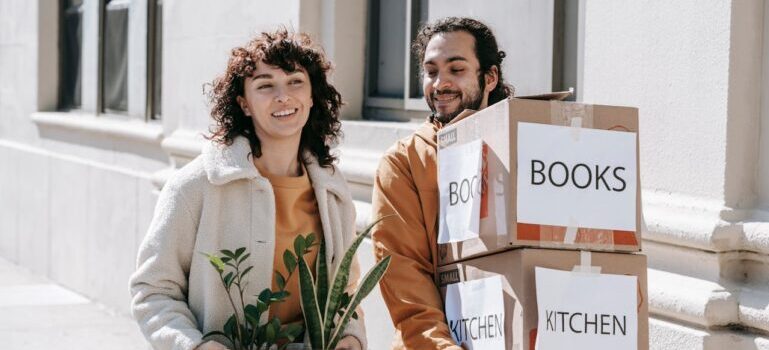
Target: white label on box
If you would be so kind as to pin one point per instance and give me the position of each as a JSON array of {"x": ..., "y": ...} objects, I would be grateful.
[
  {"x": 476, "y": 313},
  {"x": 578, "y": 310},
  {"x": 459, "y": 183},
  {"x": 576, "y": 177}
]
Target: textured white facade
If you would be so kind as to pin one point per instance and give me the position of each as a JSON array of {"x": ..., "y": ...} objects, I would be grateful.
[{"x": 77, "y": 189}]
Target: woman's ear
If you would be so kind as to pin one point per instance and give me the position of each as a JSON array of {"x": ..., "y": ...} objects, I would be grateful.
[
  {"x": 492, "y": 78},
  {"x": 243, "y": 105}
]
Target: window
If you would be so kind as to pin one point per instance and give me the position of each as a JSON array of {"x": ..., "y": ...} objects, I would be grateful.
[
  {"x": 70, "y": 46},
  {"x": 154, "y": 58},
  {"x": 392, "y": 71},
  {"x": 115, "y": 56},
  {"x": 117, "y": 61}
]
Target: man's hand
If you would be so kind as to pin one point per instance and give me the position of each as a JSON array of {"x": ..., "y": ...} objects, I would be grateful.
[
  {"x": 211, "y": 345},
  {"x": 349, "y": 343}
]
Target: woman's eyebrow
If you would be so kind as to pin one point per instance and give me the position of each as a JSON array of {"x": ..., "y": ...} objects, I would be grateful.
[{"x": 263, "y": 76}]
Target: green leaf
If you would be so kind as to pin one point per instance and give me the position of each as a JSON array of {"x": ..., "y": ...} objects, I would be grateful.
[
  {"x": 225, "y": 259},
  {"x": 245, "y": 272},
  {"x": 216, "y": 262},
  {"x": 367, "y": 285},
  {"x": 299, "y": 246},
  {"x": 279, "y": 296},
  {"x": 309, "y": 239},
  {"x": 243, "y": 258},
  {"x": 264, "y": 296},
  {"x": 228, "y": 279},
  {"x": 252, "y": 314},
  {"x": 310, "y": 309},
  {"x": 228, "y": 253},
  {"x": 321, "y": 275},
  {"x": 230, "y": 329},
  {"x": 272, "y": 331},
  {"x": 341, "y": 278},
  {"x": 280, "y": 280},
  {"x": 261, "y": 307},
  {"x": 289, "y": 260},
  {"x": 239, "y": 252},
  {"x": 214, "y": 333}
]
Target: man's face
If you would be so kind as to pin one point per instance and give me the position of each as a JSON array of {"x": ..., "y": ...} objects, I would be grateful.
[{"x": 451, "y": 78}]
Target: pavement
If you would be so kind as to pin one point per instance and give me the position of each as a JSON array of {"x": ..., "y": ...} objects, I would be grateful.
[{"x": 36, "y": 314}]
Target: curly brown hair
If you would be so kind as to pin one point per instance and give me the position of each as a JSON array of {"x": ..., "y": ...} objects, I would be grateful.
[{"x": 287, "y": 51}]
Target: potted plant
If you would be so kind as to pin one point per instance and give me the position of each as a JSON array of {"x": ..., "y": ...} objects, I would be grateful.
[{"x": 326, "y": 306}]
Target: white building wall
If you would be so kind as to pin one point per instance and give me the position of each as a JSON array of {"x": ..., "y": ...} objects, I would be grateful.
[{"x": 77, "y": 190}]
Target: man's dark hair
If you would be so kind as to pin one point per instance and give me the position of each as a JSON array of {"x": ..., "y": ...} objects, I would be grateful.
[{"x": 486, "y": 49}]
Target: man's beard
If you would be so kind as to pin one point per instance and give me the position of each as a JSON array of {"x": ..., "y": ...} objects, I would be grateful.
[{"x": 472, "y": 102}]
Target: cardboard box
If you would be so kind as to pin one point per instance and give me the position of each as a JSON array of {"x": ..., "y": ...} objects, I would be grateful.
[
  {"x": 498, "y": 127},
  {"x": 519, "y": 290}
]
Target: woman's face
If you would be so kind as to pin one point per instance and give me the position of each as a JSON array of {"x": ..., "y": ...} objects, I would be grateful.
[{"x": 278, "y": 102}]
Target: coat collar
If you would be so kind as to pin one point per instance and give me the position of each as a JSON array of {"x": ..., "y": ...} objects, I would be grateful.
[{"x": 224, "y": 164}]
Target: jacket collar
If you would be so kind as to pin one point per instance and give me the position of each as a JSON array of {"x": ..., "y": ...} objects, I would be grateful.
[{"x": 224, "y": 164}]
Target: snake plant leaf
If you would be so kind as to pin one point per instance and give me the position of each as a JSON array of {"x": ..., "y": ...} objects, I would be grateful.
[
  {"x": 309, "y": 303},
  {"x": 367, "y": 285},
  {"x": 341, "y": 277},
  {"x": 321, "y": 276}
]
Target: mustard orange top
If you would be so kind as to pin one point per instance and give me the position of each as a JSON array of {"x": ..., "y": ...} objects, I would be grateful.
[{"x": 296, "y": 213}]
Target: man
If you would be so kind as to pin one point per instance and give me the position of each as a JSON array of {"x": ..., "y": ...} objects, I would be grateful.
[{"x": 460, "y": 69}]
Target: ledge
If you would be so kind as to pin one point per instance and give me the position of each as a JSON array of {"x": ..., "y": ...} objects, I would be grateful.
[
  {"x": 708, "y": 304},
  {"x": 116, "y": 126}
]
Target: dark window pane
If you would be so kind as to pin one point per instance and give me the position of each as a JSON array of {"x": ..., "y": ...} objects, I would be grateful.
[
  {"x": 157, "y": 60},
  {"x": 388, "y": 51},
  {"x": 419, "y": 10},
  {"x": 115, "y": 46},
  {"x": 70, "y": 46}
]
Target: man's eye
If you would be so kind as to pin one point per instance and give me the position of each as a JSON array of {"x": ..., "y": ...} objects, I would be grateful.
[
  {"x": 264, "y": 87},
  {"x": 296, "y": 82},
  {"x": 430, "y": 73},
  {"x": 457, "y": 70}
]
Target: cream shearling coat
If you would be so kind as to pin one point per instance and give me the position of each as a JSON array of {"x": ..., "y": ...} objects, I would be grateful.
[{"x": 220, "y": 201}]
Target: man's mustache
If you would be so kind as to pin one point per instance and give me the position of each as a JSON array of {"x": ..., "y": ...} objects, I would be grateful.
[{"x": 444, "y": 92}]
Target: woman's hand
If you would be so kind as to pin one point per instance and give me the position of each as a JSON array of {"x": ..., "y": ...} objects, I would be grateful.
[
  {"x": 212, "y": 345},
  {"x": 349, "y": 343}
]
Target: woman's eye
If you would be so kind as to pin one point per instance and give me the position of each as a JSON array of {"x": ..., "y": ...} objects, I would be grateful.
[
  {"x": 296, "y": 82},
  {"x": 430, "y": 73},
  {"x": 457, "y": 70},
  {"x": 264, "y": 87}
]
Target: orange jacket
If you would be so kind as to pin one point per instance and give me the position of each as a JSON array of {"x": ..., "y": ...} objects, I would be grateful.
[{"x": 407, "y": 185}]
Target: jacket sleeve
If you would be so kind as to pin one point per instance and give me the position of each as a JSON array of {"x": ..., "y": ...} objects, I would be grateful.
[
  {"x": 159, "y": 285},
  {"x": 408, "y": 287}
]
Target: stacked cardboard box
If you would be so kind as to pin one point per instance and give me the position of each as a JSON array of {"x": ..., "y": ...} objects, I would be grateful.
[{"x": 510, "y": 242}]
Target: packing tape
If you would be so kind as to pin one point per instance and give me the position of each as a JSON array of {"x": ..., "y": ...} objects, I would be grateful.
[
  {"x": 571, "y": 231},
  {"x": 576, "y": 126},
  {"x": 575, "y": 115},
  {"x": 586, "y": 263}
]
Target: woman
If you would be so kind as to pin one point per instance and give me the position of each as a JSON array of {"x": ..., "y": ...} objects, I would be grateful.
[{"x": 264, "y": 177}]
